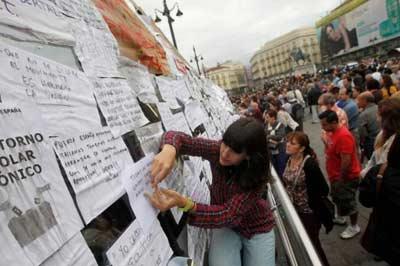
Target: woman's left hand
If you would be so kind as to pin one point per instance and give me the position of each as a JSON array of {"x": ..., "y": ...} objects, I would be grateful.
[{"x": 165, "y": 199}]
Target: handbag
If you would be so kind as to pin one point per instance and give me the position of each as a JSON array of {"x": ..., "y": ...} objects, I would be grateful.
[{"x": 367, "y": 187}]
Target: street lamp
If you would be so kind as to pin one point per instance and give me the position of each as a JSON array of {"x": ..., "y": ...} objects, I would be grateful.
[
  {"x": 197, "y": 58},
  {"x": 167, "y": 13}
]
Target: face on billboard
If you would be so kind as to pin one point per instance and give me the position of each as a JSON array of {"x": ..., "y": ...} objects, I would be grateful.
[
  {"x": 368, "y": 24},
  {"x": 332, "y": 33}
]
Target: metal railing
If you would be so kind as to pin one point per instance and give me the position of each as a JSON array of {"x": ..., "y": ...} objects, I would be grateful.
[{"x": 298, "y": 247}]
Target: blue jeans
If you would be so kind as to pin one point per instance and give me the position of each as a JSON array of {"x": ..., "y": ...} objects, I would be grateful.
[{"x": 226, "y": 246}]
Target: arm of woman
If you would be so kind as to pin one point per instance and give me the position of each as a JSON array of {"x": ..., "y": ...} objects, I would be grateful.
[
  {"x": 202, "y": 215},
  {"x": 174, "y": 143},
  {"x": 229, "y": 214},
  {"x": 186, "y": 145}
]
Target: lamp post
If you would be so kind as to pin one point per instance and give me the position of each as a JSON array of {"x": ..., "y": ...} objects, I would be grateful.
[
  {"x": 197, "y": 58},
  {"x": 167, "y": 13}
]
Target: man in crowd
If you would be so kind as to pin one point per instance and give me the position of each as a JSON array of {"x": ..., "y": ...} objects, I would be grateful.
[
  {"x": 343, "y": 170},
  {"x": 328, "y": 102},
  {"x": 313, "y": 96},
  {"x": 374, "y": 87},
  {"x": 368, "y": 126},
  {"x": 351, "y": 110}
]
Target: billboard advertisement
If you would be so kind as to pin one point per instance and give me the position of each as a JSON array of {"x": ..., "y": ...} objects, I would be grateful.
[{"x": 368, "y": 24}]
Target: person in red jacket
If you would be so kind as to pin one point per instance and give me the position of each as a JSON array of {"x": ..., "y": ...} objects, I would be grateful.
[{"x": 239, "y": 216}]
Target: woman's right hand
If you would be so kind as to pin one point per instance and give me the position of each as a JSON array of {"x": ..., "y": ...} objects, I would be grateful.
[{"x": 162, "y": 164}]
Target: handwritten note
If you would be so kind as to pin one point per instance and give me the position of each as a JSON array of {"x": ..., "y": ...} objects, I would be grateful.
[
  {"x": 42, "y": 19},
  {"x": 165, "y": 111},
  {"x": 119, "y": 105},
  {"x": 150, "y": 137},
  {"x": 139, "y": 79},
  {"x": 195, "y": 114},
  {"x": 136, "y": 180},
  {"x": 197, "y": 243},
  {"x": 177, "y": 123},
  {"x": 97, "y": 50},
  {"x": 75, "y": 252},
  {"x": 85, "y": 11},
  {"x": 166, "y": 87},
  {"x": 93, "y": 162},
  {"x": 61, "y": 93},
  {"x": 181, "y": 90},
  {"x": 136, "y": 247}
]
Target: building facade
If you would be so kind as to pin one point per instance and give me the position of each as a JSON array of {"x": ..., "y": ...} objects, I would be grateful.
[
  {"x": 230, "y": 76},
  {"x": 280, "y": 57}
]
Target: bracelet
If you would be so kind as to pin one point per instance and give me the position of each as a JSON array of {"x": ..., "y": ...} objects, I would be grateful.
[
  {"x": 188, "y": 206},
  {"x": 379, "y": 176}
]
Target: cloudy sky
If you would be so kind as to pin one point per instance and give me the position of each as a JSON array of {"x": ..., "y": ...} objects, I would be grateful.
[{"x": 234, "y": 29}]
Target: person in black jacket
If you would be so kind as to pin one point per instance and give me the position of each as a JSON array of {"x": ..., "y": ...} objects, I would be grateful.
[
  {"x": 312, "y": 97},
  {"x": 307, "y": 188}
]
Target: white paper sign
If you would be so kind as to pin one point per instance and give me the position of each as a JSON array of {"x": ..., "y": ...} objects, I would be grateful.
[
  {"x": 97, "y": 51},
  {"x": 165, "y": 112},
  {"x": 61, "y": 93},
  {"x": 74, "y": 253},
  {"x": 85, "y": 11},
  {"x": 42, "y": 19},
  {"x": 197, "y": 243},
  {"x": 167, "y": 91},
  {"x": 119, "y": 105},
  {"x": 195, "y": 164},
  {"x": 208, "y": 171},
  {"x": 181, "y": 90},
  {"x": 150, "y": 137},
  {"x": 177, "y": 182},
  {"x": 37, "y": 215},
  {"x": 139, "y": 79},
  {"x": 136, "y": 181},
  {"x": 136, "y": 247},
  {"x": 177, "y": 123},
  {"x": 201, "y": 193},
  {"x": 93, "y": 162},
  {"x": 194, "y": 114}
]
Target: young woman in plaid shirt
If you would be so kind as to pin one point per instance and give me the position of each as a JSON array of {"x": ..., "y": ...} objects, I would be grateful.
[{"x": 239, "y": 216}]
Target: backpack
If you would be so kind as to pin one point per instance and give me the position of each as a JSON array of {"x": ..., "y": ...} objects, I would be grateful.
[{"x": 297, "y": 112}]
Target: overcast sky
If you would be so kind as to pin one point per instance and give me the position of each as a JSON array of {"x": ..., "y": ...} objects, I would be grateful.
[{"x": 234, "y": 29}]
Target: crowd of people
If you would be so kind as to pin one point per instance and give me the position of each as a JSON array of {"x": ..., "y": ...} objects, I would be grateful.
[{"x": 359, "y": 113}]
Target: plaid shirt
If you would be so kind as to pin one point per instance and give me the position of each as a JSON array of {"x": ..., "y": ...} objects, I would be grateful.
[{"x": 245, "y": 212}]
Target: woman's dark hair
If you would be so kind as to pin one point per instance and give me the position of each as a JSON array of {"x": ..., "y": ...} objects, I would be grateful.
[
  {"x": 272, "y": 113},
  {"x": 277, "y": 104},
  {"x": 387, "y": 81},
  {"x": 373, "y": 84},
  {"x": 330, "y": 25},
  {"x": 389, "y": 110},
  {"x": 334, "y": 90},
  {"x": 304, "y": 141},
  {"x": 243, "y": 105},
  {"x": 254, "y": 98},
  {"x": 248, "y": 135}
]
